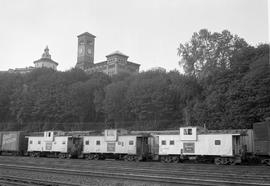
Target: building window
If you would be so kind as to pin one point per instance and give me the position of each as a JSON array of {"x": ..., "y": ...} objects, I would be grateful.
[
  {"x": 87, "y": 142},
  {"x": 171, "y": 142},
  {"x": 163, "y": 142},
  {"x": 217, "y": 142},
  {"x": 38, "y": 142},
  {"x": 98, "y": 142},
  {"x": 187, "y": 131},
  {"x": 131, "y": 142},
  {"x": 30, "y": 142},
  {"x": 63, "y": 142}
]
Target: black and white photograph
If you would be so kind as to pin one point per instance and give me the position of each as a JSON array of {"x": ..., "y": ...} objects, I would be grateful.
[{"x": 134, "y": 92}]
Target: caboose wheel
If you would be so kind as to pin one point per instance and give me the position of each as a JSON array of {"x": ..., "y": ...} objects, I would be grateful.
[
  {"x": 61, "y": 155},
  {"x": 169, "y": 159},
  {"x": 125, "y": 158},
  {"x": 218, "y": 161},
  {"x": 96, "y": 157},
  {"x": 232, "y": 162},
  {"x": 89, "y": 156},
  {"x": 175, "y": 159},
  {"x": 162, "y": 159},
  {"x": 267, "y": 162}
]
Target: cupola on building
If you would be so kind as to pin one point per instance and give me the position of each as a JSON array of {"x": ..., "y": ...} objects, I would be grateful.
[{"x": 46, "y": 61}]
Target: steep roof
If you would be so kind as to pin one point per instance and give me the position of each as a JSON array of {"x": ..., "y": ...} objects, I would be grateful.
[
  {"x": 86, "y": 33},
  {"x": 117, "y": 52}
]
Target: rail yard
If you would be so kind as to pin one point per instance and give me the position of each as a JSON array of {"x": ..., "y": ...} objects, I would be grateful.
[{"x": 48, "y": 171}]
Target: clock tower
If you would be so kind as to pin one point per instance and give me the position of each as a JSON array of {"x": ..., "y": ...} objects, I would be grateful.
[{"x": 86, "y": 46}]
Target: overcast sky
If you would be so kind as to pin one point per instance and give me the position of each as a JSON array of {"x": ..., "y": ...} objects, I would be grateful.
[{"x": 148, "y": 31}]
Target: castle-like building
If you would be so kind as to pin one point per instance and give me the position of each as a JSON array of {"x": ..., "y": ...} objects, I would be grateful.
[{"x": 116, "y": 62}]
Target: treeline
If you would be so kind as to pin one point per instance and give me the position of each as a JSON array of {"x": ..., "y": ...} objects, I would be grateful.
[{"x": 226, "y": 85}]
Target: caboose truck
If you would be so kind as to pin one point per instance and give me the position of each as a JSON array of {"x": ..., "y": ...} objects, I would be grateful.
[
  {"x": 115, "y": 144},
  {"x": 54, "y": 144},
  {"x": 262, "y": 141},
  {"x": 195, "y": 143}
]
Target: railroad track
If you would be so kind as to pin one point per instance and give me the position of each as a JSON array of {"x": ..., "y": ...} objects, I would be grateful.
[
  {"x": 226, "y": 174},
  {"x": 22, "y": 181},
  {"x": 177, "y": 180}
]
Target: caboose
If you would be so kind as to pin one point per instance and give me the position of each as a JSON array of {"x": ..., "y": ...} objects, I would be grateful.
[
  {"x": 116, "y": 144},
  {"x": 199, "y": 144},
  {"x": 54, "y": 144}
]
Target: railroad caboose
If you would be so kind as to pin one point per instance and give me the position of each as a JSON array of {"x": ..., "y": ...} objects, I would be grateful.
[
  {"x": 54, "y": 144},
  {"x": 199, "y": 144},
  {"x": 116, "y": 144}
]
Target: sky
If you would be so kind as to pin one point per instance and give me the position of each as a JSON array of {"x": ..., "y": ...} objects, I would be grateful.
[{"x": 148, "y": 31}]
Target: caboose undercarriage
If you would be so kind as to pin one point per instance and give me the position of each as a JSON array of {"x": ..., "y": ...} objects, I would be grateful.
[
  {"x": 200, "y": 159},
  {"x": 50, "y": 154},
  {"x": 102, "y": 156}
]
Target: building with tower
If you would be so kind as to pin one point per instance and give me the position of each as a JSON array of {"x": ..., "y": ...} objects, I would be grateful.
[
  {"x": 116, "y": 62},
  {"x": 44, "y": 62}
]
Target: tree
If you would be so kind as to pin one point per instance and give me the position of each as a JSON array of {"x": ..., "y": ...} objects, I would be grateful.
[
  {"x": 239, "y": 96},
  {"x": 208, "y": 52}
]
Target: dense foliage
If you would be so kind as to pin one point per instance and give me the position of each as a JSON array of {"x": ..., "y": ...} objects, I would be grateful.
[
  {"x": 235, "y": 79},
  {"x": 226, "y": 85}
]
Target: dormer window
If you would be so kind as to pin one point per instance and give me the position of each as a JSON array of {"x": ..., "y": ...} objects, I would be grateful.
[{"x": 187, "y": 131}]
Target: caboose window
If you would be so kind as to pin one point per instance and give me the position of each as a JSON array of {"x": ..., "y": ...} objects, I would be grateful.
[
  {"x": 98, "y": 142},
  {"x": 217, "y": 142},
  {"x": 110, "y": 133},
  {"x": 171, "y": 142},
  {"x": 187, "y": 131},
  {"x": 131, "y": 142},
  {"x": 163, "y": 142},
  {"x": 87, "y": 142}
]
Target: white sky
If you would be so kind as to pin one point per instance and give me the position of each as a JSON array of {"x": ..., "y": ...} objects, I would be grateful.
[{"x": 148, "y": 31}]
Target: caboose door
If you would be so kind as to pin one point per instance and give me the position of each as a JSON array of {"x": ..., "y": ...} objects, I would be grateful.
[
  {"x": 75, "y": 146},
  {"x": 236, "y": 144},
  {"x": 142, "y": 146}
]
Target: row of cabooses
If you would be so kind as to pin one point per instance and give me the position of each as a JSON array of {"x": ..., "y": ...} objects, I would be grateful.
[
  {"x": 94, "y": 146},
  {"x": 159, "y": 144},
  {"x": 131, "y": 146}
]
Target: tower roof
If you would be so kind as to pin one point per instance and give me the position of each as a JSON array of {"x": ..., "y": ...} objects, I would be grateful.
[
  {"x": 46, "y": 53},
  {"x": 117, "y": 52},
  {"x": 46, "y": 57},
  {"x": 87, "y": 34}
]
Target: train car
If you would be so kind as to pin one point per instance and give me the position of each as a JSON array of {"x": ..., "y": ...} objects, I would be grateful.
[
  {"x": 13, "y": 143},
  {"x": 54, "y": 144},
  {"x": 262, "y": 141},
  {"x": 115, "y": 145},
  {"x": 195, "y": 143}
]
